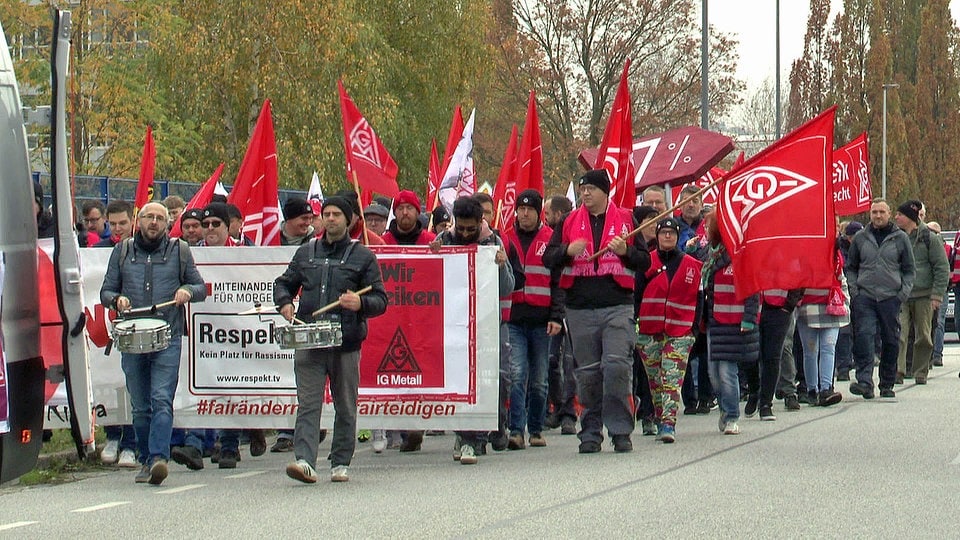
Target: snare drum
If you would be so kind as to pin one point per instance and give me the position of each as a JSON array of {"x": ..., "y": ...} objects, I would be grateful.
[
  {"x": 319, "y": 335},
  {"x": 140, "y": 336}
]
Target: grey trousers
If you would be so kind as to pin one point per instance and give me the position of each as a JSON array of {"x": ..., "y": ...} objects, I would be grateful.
[
  {"x": 603, "y": 341},
  {"x": 787, "y": 382},
  {"x": 312, "y": 368}
]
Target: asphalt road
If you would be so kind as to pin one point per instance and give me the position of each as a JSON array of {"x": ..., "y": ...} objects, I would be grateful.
[{"x": 877, "y": 469}]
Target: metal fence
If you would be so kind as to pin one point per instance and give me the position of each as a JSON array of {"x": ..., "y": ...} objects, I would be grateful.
[{"x": 111, "y": 188}]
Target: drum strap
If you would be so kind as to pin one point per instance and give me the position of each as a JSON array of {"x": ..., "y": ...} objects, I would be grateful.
[{"x": 126, "y": 245}]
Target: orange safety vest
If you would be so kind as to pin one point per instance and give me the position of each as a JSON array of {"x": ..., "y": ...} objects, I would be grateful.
[
  {"x": 617, "y": 221},
  {"x": 726, "y": 309},
  {"x": 536, "y": 288},
  {"x": 670, "y": 307}
]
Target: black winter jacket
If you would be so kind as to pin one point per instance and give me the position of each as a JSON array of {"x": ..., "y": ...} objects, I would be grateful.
[
  {"x": 728, "y": 342},
  {"x": 320, "y": 272}
]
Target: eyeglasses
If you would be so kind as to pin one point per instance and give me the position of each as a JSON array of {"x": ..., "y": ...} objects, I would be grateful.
[
  {"x": 211, "y": 224},
  {"x": 470, "y": 230},
  {"x": 153, "y": 217},
  {"x": 92, "y": 219}
]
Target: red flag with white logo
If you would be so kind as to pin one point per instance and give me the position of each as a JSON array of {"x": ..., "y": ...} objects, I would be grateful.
[
  {"x": 147, "y": 165},
  {"x": 505, "y": 190},
  {"x": 616, "y": 150},
  {"x": 433, "y": 177},
  {"x": 851, "y": 177},
  {"x": 255, "y": 191},
  {"x": 453, "y": 138},
  {"x": 776, "y": 213},
  {"x": 200, "y": 199},
  {"x": 367, "y": 158}
]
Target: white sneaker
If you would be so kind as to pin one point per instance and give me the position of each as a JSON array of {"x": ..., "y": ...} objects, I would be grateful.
[
  {"x": 732, "y": 428},
  {"x": 302, "y": 471},
  {"x": 110, "y": 452},
  {"x": 467, "y": 455},
  {"x": 128, "y": 459},
  {"x": 340, "y": 473},
  {"x": 379, "y": 440}
]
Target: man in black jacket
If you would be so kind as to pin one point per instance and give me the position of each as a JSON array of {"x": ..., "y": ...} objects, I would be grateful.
[{"x": 322, "y": 271}]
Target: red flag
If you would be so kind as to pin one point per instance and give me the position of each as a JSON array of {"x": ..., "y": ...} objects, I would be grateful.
[
  {"x": 147, "y": 164},
  {"x": 453, "y": 138},
  {"x": 433, "y": 177},
  {"x": 367, "y": 158},
  {"x": 505, "y": 191},
  {"x": 851, "y": 177},
  {"x": 775, "y": 212},
  {"x": 616, "y": 150},
  {"x": 255, "y": 191},
  {"x": 530, "y": 158},
  {"x": 200, "y": 199}
]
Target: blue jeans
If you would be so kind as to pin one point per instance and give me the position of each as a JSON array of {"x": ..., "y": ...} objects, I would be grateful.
[
  {"x": 529, "y": 363},
  {"x": 125, "y": 435},
  {"x": 725, "y": 379},
  {"x": 868, "y": 316},
  {"x": 201, "y": 439},
  {"x": 151, "y": 383},
  {"x": 938, "y": 331},
  {"x": 819, "y": 353}
]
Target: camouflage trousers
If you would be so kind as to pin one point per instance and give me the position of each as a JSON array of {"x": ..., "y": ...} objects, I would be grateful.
[{"x": 665, "y": 359}]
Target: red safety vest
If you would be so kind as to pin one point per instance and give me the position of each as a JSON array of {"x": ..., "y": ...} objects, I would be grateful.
[
  {"x": 815, "y": 296},
  {"x": 536, "y": 288},
  {"x": 423, "y": 239},
  {"x": 577, "y": 226},
  {"x": 775, "y": 297},
  {"x": 670, "y": 307},
  {"x": 726, "y": 309}
]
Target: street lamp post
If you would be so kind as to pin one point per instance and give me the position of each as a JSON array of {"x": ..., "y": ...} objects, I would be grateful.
[{"x": 883, "y": 162}]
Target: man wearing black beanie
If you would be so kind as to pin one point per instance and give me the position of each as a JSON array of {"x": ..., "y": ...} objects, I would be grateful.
[{"x": 598, "y": 268}]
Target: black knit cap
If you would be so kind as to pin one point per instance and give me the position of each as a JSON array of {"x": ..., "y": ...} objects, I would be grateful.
[
  {"x": 531, "y": 198},
  {"x": 342, "y": 203},
  {"x": 216, "y": 210},
  {"x": 668, "y": 223},
  {"x": 596, "y": 177},
  {"x": 296, "y": 207},
  {"x": 440, "y": 215},
  {"x": 193, "y": 213},
  {"x": 911, "y": 209}
]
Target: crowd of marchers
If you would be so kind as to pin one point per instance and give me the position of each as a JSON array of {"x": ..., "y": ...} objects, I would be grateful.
[{"x": 611, "y": 318}]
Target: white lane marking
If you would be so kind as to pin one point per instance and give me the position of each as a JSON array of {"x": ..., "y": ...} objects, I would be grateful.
[
  {"x": 247, "y": 474},
  {"x": 180, "y": 489},
  {"x": 103, "y": 506},
  {"x": 17, "y": 524}
]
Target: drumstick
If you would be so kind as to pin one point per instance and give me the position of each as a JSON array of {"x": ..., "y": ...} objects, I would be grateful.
[
  {"x": 332, "y": 305},
  {"x": 163, "y": 305}
]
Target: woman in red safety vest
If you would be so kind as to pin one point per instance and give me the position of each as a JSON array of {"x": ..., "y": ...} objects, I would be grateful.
[
  {"x": 665, "y": 323},
  {"x": 731, "y": 327},
  {"x": 818, "y": 333}
]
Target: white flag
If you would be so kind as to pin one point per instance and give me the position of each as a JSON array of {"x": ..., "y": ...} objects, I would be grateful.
[
  {"x": 315, "y": 195},
  {"x": 571, "y": 194},
  {"x": 460, "y": 170},
  {"x": 220, "y": 190}
]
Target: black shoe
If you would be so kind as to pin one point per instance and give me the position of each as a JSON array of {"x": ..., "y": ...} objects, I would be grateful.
[
  {"x": 706, "y": 405},
  {"x": 323, "y": 435},
  {"x": 938, "y": 361},
  {"x": 802, "y": 397},
  {"x": 187, "y": 456},
  {"x": 858, "y": 389},
  {"x": 791, "y": 403},
  {"x": 282, "y": 445},
  {"x": 499, "y": 440},
  {"x": 589, "y": 447},
  {"x": 888, "y": 393},
  {"x": 812, "y": 398},
  {"x": 691, "y": 409},
  {"x": 766, "y": 413},
  {"x": 413, "y": 443},
  {"x": 843, "y": 375},
  {"x": 228, "y": 459},
  {"x": 899, "y": 379},
  {"x": 568, "y": 426},
  {"x": 648, "y": 427},
  {"x": 552, "y": 421},
  {"x": 258, "y": 443},
  {"x": 622, "y": 444},
  {"x": 829, "y": 397},
  {"x": 750, "y": 408}
]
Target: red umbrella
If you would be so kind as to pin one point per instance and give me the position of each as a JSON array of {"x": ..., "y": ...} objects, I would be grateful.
[{"x": 676, "y": 157}]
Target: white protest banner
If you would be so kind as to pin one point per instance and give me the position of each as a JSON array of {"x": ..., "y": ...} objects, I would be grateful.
[{"x": 430, "y": 362}]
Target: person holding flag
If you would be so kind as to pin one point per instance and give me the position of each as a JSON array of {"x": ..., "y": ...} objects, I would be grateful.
[{"x": 598, "y": 268}]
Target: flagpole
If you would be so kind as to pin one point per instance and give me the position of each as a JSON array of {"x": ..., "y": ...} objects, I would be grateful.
[
  {"x": 661, "y": 215},
  {"x": 363, "y": 226},
  {"x": 496, "y": 220}
]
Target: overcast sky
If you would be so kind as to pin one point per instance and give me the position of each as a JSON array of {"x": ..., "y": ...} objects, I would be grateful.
[{"x": 754, "y": 24}]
